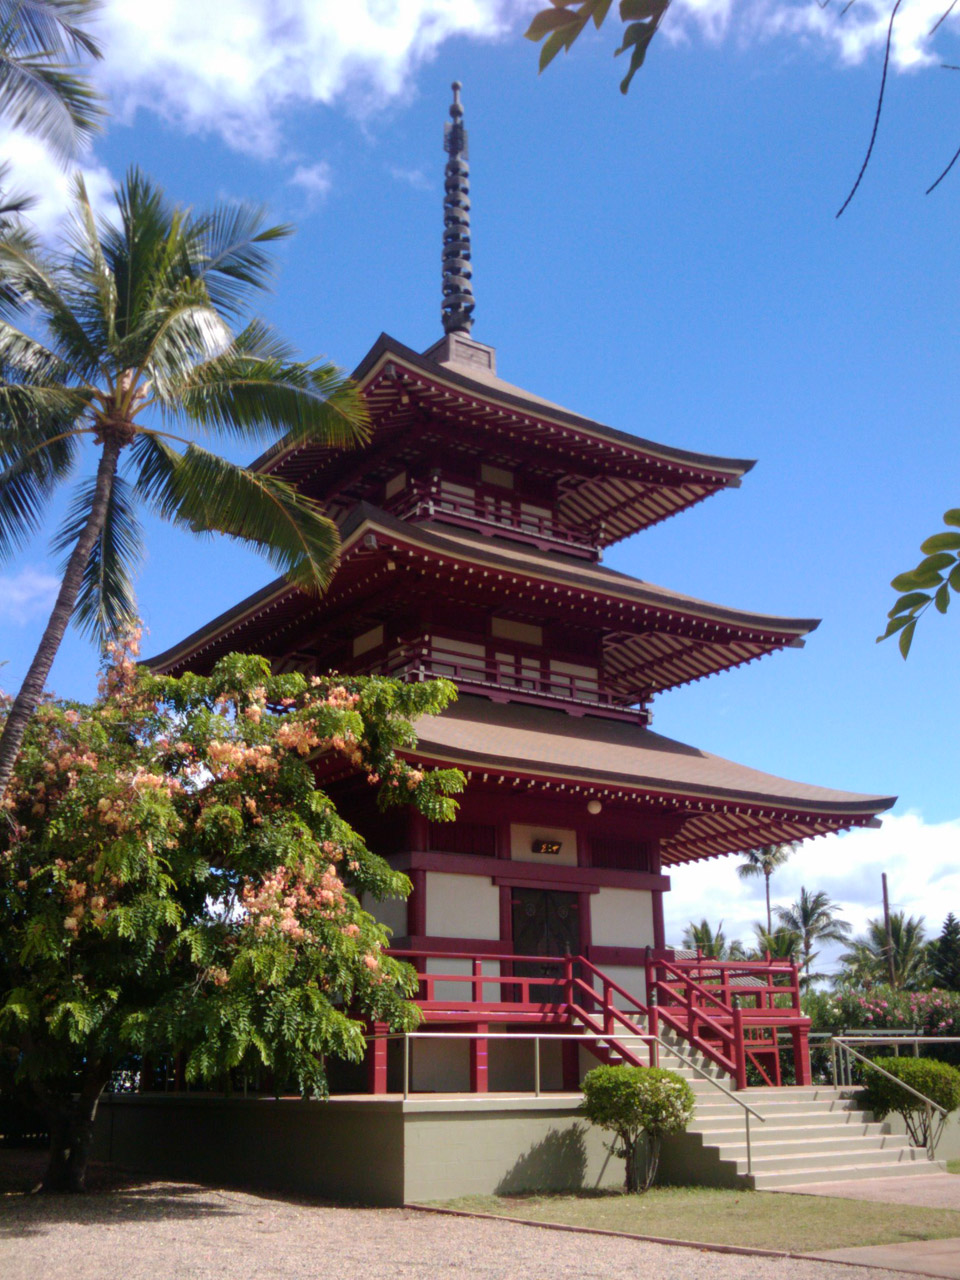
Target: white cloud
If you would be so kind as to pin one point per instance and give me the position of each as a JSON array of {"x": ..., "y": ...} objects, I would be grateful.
[
  {"x": 27, "y": 595},
  {"x": 34, "y": 171},
  {"x": 851, "y": 33},
  {"x": 415, "y": 178},
  {"x": 315, "y": 180},
  {"x": 233, "y": 73},
  {"x": 922, "y": 862}
]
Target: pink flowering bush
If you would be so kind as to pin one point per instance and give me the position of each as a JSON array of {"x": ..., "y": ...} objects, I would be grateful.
[
  {"x": 929, "y": 1013},
  {"x": 174, "y": 881}
]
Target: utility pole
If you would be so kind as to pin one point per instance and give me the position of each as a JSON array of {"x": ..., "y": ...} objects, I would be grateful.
[{"x": 886, "y": 924}]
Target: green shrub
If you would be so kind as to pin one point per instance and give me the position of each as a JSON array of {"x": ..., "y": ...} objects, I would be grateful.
[
  {"x": 937, "y": 1081},
  {"x": 631, "y": 1102}
]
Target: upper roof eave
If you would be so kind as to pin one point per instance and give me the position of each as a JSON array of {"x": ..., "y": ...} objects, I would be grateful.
[{"x": 511, "y": 397}]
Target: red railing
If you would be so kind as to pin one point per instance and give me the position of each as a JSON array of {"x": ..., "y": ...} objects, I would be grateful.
[
  {"x": 421, "y": 661},
  {"x": 516, "y": 999},
  {"x": 485, "y": 510},
  {"x": 731, "y": 1012},
  {"x": 734, "y": 1012}
]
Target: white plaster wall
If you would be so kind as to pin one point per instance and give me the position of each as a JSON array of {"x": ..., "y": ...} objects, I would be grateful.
[
  {"x": 391, "y": 912},
  {"x": 455, "y": 990},
  {"x": 462, "y": 906},
  {"x": 522, "y": 837},
  {"x": 621, "y": 918},
  {"x": 631, "y": 978}
]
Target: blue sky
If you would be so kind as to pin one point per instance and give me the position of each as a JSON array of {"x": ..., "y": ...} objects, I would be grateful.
[{"x": 668, "y": 263}]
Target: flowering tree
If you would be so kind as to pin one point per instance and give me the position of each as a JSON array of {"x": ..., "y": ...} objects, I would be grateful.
[{"x": 172, "y": 880}]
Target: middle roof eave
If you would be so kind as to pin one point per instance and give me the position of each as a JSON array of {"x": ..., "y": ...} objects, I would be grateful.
[{"x": 727, "y": 636}]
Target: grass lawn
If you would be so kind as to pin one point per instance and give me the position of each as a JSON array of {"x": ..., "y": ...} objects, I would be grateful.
[
  {"x": 953, "y": 1166},
  {"x": 765, "y": 1219}
]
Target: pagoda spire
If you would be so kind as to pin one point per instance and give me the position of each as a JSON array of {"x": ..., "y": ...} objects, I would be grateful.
[{"x": 458, "y": 303}]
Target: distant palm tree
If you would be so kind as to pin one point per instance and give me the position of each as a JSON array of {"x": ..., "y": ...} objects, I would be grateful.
[
  {"x": 702, "y": 937},
  {"x": 867, "y": 962},
  {"x": 764, "y": 862},
  {"x": 814, "y": 917},
  {"x": 41, "y": 41},
  {"x": 780, "y": 943},
  {"x": 138, "y": 316}
]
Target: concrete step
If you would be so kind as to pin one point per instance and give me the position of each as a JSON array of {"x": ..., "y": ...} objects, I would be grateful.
[
  {"x": 781, "y": 1151},
  {"x": 714, "y": 1102},
  {"x": 827, "y": 1123},
  {"x": 827, "y": 1161},
  {"x": 723, "y": 1132},
  {"x": 786, "y": 1181}
]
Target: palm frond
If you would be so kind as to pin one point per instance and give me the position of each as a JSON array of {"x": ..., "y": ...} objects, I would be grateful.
[
  {"x": 253, "y": 391},
  {"x": 231, "y": 260},
  {"x": 93, "y": 293},
  {"x": 48, "y": 99},
  {"x": 54, "y": 27},
  {"x": 34, "y": 458},
  {"x": 146, "y": 253},
  {"x": 106, "y": 603},
  {"x": 12, "y": 203},
  {"x": 36, "y": 279},
  {"x": 174, "y": 339},
  {"x": 200, "y": 491}
]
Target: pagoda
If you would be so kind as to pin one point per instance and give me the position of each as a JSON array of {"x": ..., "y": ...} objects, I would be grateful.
[{"x": 473, "y": 528}]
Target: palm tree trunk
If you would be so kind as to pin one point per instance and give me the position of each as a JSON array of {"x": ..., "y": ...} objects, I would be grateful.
[
  {"x": 31, "y": 691},
  {"x": 766, "y": 877}
]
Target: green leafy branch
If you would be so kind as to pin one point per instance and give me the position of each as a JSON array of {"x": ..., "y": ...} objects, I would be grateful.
[
  {"x": 560, "y": 25},
  {"x": 930, "y": 583}
]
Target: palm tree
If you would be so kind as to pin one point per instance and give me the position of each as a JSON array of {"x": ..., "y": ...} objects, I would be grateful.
[
  {"x": 141, "y": 316},
  {"x": 813, "y": 917},
  {"x": 701, "y": 937},
  {"x": 867, "y": 963},
  {"x": 764, "y": 862},
  {"x": 40, "y": 43},
  {"x": 780, "y": 943}
]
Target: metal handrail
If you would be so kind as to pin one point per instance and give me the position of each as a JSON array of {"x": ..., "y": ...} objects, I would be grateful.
[
  {"x": 841, "y": 1043},
  {"x": 579, "y": 1037}
]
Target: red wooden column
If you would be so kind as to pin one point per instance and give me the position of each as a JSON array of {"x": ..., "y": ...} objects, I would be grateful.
[
  {"x": 478, "y": 1062},
  {"x": 801, "y": 1055},
  {"x": 570, "y": 1066},
  {"x": 377, "y": 1059}
]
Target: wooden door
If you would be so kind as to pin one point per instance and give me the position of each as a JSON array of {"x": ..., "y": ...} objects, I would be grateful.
[{"x": 546, "y": 922}]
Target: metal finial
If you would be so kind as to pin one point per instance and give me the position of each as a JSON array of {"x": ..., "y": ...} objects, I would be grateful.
[{"x": 458, "y": 302}]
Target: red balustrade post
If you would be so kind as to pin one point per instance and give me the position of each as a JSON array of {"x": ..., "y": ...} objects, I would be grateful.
[
  {"x": 568, "y": 979},
  {"x": 479, "y": 1062},
  {"x": 477, "y": 984},
  {"x": 691, "y": 1017},
  {"x": 377, "y": 1059},
  {"x": 739, "y": 1047}
]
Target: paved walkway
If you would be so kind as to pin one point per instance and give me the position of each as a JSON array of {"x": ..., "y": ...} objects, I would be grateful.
[
  {"x": 929, "y": 1191},
  {"x": 185, "y": 1232},
  {"x": 918, "y": 1257}
]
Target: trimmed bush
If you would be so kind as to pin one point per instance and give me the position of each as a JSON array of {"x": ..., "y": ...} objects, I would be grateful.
[
  {"x": 937, "y": 1081},
  {"x": 632, "y": 1102}
]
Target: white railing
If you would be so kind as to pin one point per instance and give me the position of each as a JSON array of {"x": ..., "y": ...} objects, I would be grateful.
[{"x": 609, "y": 1042}]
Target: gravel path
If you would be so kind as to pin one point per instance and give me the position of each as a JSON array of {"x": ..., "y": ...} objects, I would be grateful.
[{"x": 173, "y": 1231}]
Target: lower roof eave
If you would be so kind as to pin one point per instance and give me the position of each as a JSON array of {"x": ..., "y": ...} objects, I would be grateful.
[{"x": 716, "y": 821}]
